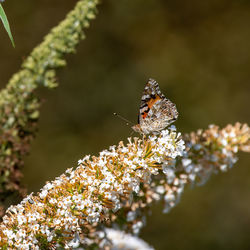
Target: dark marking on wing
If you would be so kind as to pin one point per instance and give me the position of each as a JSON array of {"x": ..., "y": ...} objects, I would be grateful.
[
  {"x": 152, "y": 101},
  {"x": 145, "y": 113}
]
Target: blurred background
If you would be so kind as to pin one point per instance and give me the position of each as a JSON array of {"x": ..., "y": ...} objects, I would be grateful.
[{"x": 198, "y": 51}]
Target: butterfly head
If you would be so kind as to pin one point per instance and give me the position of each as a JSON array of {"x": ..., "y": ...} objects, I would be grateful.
[{"x": 137, "y": 128}]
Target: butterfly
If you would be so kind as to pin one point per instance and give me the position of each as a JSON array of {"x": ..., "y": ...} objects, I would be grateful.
[{"x": 156, "y": 111}]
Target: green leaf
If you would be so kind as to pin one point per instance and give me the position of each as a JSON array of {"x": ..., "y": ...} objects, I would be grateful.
[{"x": 6, "y": 24}]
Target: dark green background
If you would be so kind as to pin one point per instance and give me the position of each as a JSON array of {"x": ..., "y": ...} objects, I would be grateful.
[{"x": 198, "y": 51}]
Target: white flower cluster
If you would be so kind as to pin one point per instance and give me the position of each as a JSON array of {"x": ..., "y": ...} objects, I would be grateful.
[
  {"x": 168, "y": 188},
  {"x": 64, "y": 207},
  {"x": 217, "y": 154},
  {"x": 207, "y": 152},
  {"x": 122, "y": 241}
]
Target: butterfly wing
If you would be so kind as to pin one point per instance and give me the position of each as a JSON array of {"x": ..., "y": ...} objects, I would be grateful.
[
  {"x": 150, "y": 96},
  {"x": 156, "y": 111}
]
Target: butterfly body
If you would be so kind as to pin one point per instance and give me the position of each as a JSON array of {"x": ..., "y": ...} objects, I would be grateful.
[{"x": 156, "y": 111}]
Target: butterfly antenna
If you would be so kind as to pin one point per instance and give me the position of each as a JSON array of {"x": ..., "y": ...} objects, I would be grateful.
[
  {"x": 124, "y": 119},
  {"x": 132, "y": 133}
]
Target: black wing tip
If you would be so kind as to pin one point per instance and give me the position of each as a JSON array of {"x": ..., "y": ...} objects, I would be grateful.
[{"x": 152, "y": 80}]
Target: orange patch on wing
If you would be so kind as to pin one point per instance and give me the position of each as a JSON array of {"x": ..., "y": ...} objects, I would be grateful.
[
  {"x": 144, "y": 115},
  {"x": 150, "y": 104},
  {"x": 152, "y": 101}
]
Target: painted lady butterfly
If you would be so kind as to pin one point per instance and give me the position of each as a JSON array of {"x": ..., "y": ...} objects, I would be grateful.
[{"x": 156, "y": 111}]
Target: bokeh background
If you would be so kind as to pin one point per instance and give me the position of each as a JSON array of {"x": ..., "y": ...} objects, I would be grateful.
[{"x": 198, "y": 51}]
